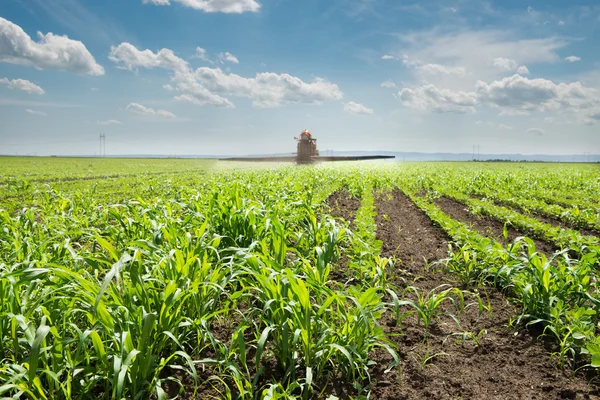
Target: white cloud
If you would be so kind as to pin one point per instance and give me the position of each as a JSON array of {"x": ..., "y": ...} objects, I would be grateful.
[
  {"x": 519, "y": 94},
  {"x": 437, "y": 69},
  {"x": 536, "y": 131},
  {"x": 505, "y": 127},
  {"x": 484, "y": 54},
  {"x": 513, "y": 113},
  {"x": 430, "y": 98},
  {"x": 94, "y": 89},
  {"x": 195, "y": 93},
  {"x": 478, "y": 122},
  {"x": 431, "y": 68},
  {"x": 478, "y": 47},
  {"x": 387, "y": 57},
  {"x": 388, "y": 84},
  {"x": 35, "y": 112},
  {"x": 201, "y": 54},
  {"x": 269, "y": 89},
  {"x": 514, "y": 96},
  {"x": 168, "y": 87},
  {"x": 110, "y": 122},
  {"x": 572, "y": 59},
  {"x": 51, "y": 52},
  {"x": 22, "y": 84},
  {"x": 206, "y": 85},
  {"x": 224, "y": 6},
  {"x": 227, "y": 56},
  {"x": 140, "y": 109},
  {"x": 505, "y": 64},
  {"x": 127, "y": 56},
  {"x": 356, "y": 108},
  {"x": 561, "y": 22}
]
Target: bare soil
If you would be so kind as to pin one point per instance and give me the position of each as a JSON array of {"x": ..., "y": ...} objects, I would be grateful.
[
  {"x": 500, "y": 364},
  {"x": 488, "y": 226},
  {"x": 343, "y": 205}
]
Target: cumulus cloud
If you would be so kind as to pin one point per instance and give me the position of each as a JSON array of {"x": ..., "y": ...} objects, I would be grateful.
[
  {"x": 536, "y": 131},
  {"x": 520, "y": 94},
  {"x": 195, "y": 93},
  {"x": 269, "y": 89},
  {"x": 35, "y": 112},
  {"x": 572, "y": 59},
  {"x": 505, "y": 127},
  {"x": 224, "y": 6},
  {"x": 22, "y": 84},
  {"x": 206, "y": 86},
  {"x": 505, "y": 64},
  {"x": 140, "y": 109},
  {"x": 509, "y": 65},
  {"x": 227, "y": 56},
  {"x": 127, "y": 56},
  {"x": 514, "y": 96},
  {"x": 388, "y": 84},
  {"x": 110, "y": 122},
  {"x": 387, "y": 57},
  {"x": 430, "y": 98},
  {"x": 50, "y": 52},
  {"x": 201, "y": 54},
  {"x": 356, "y": 108}
]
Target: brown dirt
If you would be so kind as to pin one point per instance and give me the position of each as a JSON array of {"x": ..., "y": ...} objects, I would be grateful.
[
  {"x": 343, "y": 205},
  {"x": 408, "y": 235},
  {"x": 486, "y": 225},
  {"x": 503, "y": 365}
]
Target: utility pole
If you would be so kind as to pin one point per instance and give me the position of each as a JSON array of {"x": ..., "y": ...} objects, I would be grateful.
[
  {"x": 475, "y": 152},
  {"x": 102, "y": 145}
]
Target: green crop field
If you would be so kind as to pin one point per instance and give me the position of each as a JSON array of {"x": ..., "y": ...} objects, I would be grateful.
[{"x": 148, "y": 278}]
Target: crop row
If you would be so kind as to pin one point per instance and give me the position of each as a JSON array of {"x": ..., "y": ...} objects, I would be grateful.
[{"x": 220, "y": 284}]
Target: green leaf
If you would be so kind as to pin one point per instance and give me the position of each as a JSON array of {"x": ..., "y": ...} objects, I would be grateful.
[
  {"x": 109, "y": 277},
  {"x": 40, "y": 335},
  {"x": 260, "y": 347},
  {"x": 108, "y": 247}
]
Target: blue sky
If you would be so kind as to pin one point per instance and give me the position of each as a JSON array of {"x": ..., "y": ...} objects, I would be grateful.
[{"x": 246, "y": 76}]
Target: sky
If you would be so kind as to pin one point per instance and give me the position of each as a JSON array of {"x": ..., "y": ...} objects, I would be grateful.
[{"x": 241, "y": 77}]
